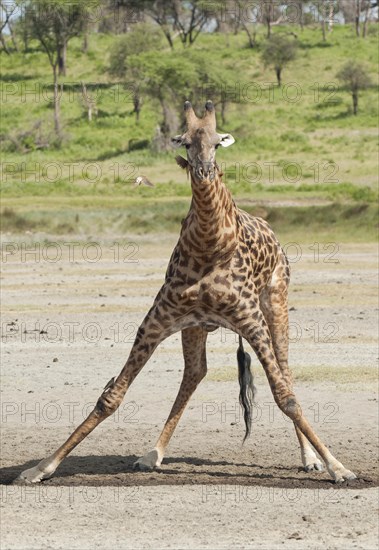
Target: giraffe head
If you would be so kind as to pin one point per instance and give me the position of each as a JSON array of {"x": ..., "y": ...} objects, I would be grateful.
[{"x": 201, "y": 141}]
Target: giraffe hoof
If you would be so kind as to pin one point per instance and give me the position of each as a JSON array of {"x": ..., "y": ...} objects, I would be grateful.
[
  {"x": 341, "y": 476},
  {"x": 148, "y": 462},
  {"x": 30, "y": 476},
  {"x": 314, "y": 466}
]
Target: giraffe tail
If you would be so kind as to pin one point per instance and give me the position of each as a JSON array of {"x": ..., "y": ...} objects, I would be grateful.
[{"x": 247, "y": 388}]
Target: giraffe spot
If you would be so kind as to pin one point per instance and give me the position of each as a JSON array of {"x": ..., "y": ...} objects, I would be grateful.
[{"x": 222, "y": 281}]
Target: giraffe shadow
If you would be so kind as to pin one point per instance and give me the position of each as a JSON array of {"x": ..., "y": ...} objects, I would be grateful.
[{"x": 197, "y": 470}]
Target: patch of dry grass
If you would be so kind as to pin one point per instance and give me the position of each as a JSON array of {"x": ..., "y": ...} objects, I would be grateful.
[{"x": 337, "y": 375}]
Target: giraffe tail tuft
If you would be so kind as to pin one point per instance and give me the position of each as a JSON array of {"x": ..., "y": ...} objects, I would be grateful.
[{"x": 247, "y": 388}]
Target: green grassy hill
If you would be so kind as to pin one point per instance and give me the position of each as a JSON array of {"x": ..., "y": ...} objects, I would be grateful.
[{"x": 298, "y": 143}]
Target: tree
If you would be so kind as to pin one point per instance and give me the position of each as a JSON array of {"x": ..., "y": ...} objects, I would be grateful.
[
  {"x": 300, "y": 5},
  {"x": 143, "y": 38},
  {"x": 53, "y": 24},
  {"x": 353, "y": 10},
  {"x": 368, "y": 6},
  {"x": 168, "y": 80},
  {"x": 176, "y": 18},
  {"x": 358, "y": 10},
  {"x": 348, "y": 11},
  {"x": 7, "y": 10},
  {"x": 248, "y": 15},
  {"x": 277, "y": 52},
  {"x": 355, "y": 78},
  {"x": 227, "y": 15},
  {"x": 270, "y": 14},
  {"x": 119, "y": 16},
  {"x": 326, "y": 10}
]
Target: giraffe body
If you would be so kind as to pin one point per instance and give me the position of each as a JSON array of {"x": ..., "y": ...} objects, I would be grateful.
[{"x": 227, "y": 269}]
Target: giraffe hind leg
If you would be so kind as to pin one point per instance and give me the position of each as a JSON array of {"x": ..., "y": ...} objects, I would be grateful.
[
  {"x": 274, "y": 305},
  {"x": 258, "y": 335}
]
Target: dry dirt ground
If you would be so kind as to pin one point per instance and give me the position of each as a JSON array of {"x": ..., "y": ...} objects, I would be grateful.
[{"x": 69, "y": 316}]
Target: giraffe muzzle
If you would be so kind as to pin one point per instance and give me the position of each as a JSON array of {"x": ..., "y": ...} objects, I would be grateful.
[{"x": 205, "y": 171}]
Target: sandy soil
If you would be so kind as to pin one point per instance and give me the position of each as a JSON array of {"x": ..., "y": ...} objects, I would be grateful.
[{"x": 67, "y": 327}]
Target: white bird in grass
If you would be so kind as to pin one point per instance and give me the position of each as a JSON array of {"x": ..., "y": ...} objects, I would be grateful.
[{"x": 142, "y": 180}]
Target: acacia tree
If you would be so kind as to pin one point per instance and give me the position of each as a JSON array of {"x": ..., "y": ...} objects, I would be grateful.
[
  {"x": 168, "y": 80},
  {"x": 354, "y": 78},
  {"x": 278, "y": 52},
  {"x": 53, "y": 24},
  {"x": 184, "y": 20},
  {"x": 247, "y": 20},
  {"x": 270, "y": 14},
  {"x": 189, "y": 21},
  {"x": 143, "y": 38}
]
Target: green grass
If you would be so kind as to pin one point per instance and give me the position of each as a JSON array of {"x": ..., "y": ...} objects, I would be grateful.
[
  {"x": 320, "y": 151},
  {"x": 95, "y": 215}
]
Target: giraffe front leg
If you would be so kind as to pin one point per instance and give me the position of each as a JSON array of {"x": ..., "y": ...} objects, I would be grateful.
[
  {"x": 258, "y": 335},
  {"x": 149, "y": 335},
  {"x": 46, "y": 467},
  {"x": 195, "y": 368}
]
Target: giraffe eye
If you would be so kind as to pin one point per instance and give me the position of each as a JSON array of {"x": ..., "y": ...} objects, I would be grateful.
[{"x": 187, "y": 145}]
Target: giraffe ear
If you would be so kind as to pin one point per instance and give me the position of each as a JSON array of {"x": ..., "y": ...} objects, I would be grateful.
[
  {"x": 226, "y": 140},
  {"x": 183, "y": 163},
  {"x": 177, "y": 141}
]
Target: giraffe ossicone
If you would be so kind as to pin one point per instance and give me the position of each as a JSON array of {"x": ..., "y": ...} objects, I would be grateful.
[{"x": 227, "y": 269}]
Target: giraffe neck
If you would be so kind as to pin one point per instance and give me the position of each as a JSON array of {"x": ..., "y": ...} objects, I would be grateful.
[{"x": 210, "y": 229}]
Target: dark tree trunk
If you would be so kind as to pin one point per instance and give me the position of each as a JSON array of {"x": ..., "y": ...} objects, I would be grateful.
[
  {"x": 62, "y": 50},
  {"x": 168, "y": 127},
  {"x": 57, "y": 124},
  {"x": 358, "y": 17},
  {"x": 268, "y": 11},
  {"x": 169, "y": 39},
  {"x": 223, "y": 111},
  {"x": 278, "y": 72},
  {"x": 268, "y": 28},
  {"x": 137, "y": 106},
  {"x": 355, "y": 102},
  {"x": 251, "y": 37},
  {"x": 25, "y": 39}
]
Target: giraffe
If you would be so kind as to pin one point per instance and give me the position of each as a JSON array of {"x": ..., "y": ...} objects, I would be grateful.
[{"x": 227, "y": 269}]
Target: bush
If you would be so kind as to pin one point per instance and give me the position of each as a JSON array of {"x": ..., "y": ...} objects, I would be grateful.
[
  {"x": 278, "y": 52},
  {"x": 354, "y": 77}
]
